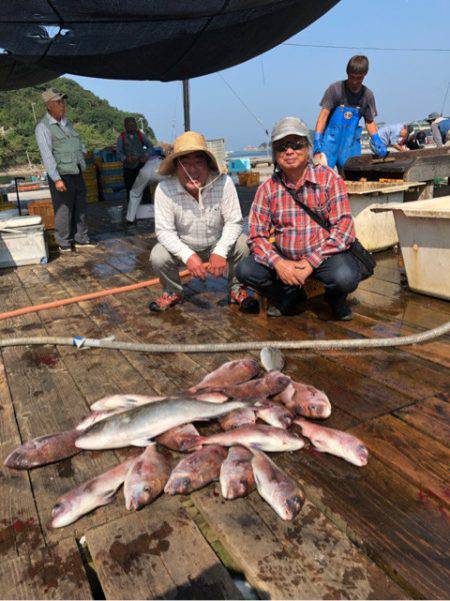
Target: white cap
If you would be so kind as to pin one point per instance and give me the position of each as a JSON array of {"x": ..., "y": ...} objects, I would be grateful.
[{"x": 290, "y": 126}]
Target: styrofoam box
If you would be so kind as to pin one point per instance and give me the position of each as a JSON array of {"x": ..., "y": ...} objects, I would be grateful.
[
  {"x": 22, "y": 241},
  {"x": 424, "y": 232}
]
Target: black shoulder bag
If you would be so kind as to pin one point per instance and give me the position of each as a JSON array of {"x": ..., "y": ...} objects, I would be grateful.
[{"x": 366, "y": 262}]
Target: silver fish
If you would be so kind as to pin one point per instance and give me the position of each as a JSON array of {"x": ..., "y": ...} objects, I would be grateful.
[
  {"x": 196, "y": 470},
  {"x": 305, "y": 400},
  {"x": 89, "y": 495},
  {"x": 146, "y": 478},
  {"x": 261, "y": 437},
  {"x": 232, "y": 372},
  {"x": 272, "y": 359},
  {"x": 98, "y": 416},
  {"x": 336, "y": 442},
  {"x": 125, "y": 401},
  {"x": 236, "y": 473},
  {"x": 44, "y": 450},
  {"x": 140, "y": 425},
  {"x": 276, "y": 488}
]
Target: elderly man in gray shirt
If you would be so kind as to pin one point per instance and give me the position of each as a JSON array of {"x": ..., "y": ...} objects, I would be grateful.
[
  {"x": 198, "y": 223},
  {"x": 62, "y": 156}
]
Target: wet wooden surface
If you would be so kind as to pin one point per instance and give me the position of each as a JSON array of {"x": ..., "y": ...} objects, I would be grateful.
[{"x": 374, "y": 532}]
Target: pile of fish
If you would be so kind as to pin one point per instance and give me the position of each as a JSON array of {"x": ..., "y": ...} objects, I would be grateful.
[{"x": 235, "y": 394}]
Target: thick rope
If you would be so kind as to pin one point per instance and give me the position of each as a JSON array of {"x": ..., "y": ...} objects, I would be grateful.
[{"x": 316, "y": 345}]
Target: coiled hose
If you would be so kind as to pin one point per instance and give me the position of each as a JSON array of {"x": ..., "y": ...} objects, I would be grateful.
[{"x": 316, "y": 345}]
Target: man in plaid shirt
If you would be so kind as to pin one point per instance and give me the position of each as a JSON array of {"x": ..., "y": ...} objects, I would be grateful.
[{"x": 302, "y": 248}]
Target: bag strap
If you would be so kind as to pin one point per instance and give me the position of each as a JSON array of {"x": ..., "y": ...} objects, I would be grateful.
[{"x": 307, "y": 210}]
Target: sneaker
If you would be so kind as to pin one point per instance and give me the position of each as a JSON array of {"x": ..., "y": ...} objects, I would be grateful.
[
  {"x": 246, "y": 299},
  {"x": 165, "y": 301},
  {"x": 87, "y": 244},
  {"x": 274, "y": 311},
  {"x": 343, "y": 314},
  {"x": 65, "y": 249},
  {"x": 127, "y": 224}
]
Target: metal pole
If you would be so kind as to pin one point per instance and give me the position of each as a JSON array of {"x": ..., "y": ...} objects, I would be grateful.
[
  {"x": 445, "y": 99},
  {"x": 17, "y": 193},
  {"x": 186, "y": 105}
]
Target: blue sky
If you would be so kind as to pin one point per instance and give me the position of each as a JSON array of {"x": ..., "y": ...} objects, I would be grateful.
[{"x": 291, "y": 80}]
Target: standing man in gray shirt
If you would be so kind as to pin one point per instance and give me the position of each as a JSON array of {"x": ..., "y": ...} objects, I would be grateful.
[
  {"x": 337, "y": 132},
  {"x": 62, "y": 156}
]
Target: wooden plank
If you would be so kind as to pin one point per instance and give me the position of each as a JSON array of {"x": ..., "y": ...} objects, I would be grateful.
[
  {"x": 415, "y": 456},
  {"x": 431, "y": 416},
  {"x": 158, "y": 553},
  {"x": 402, "y": 530},
  {"x": 49, "y": 402},
  {"x": 305, "y": 559},
  {"x": 47, "y": 573},
  {"x": 437, "y": 351},
  {"x": 20, "y": 531}
]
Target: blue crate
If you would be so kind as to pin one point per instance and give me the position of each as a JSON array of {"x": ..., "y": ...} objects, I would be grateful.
[{"x": 239, "y": 165}]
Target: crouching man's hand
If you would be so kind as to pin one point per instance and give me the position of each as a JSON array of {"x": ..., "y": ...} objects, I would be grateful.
[
  {"x": 293, "y": 273},
  {"x": 304, "y": 269},
  {"x": 196, "y": 267},
  {"x": 217, "y": 265}
]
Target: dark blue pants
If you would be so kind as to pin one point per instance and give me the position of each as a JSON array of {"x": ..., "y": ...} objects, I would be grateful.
[{"x": 339, "y": 273}]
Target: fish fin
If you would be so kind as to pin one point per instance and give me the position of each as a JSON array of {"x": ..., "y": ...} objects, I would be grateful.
[{"x": 141, "y": 442}]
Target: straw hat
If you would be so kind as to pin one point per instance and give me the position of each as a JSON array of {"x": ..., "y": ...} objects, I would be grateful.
[{"x": 190, "y": 141}]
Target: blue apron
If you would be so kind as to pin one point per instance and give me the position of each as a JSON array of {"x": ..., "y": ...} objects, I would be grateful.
[
  {"x": 342, "y": 136},
  {"x": 444, "y": 128}
]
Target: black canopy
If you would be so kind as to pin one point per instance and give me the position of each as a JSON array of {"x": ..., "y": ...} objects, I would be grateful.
[{"x": 141, "y": 39}]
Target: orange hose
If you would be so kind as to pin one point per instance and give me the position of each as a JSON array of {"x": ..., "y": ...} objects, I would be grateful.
[{"x": 84, "y": 297}]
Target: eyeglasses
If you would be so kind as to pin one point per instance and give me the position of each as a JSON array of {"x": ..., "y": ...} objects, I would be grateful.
[{"x": 292, "y": 144}]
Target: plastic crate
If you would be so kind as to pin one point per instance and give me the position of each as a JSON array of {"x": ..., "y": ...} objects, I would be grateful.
[
  {"x": 243, "y": 178},
  {"x": 252, "y": 179},
  {"x": 44, "y": 208}
]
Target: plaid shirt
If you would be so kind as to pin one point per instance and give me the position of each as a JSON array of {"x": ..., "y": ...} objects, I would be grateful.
[{"x": 297, "y": 236}]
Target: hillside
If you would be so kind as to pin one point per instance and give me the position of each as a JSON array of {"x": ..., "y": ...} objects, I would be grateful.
[{"x": 97, "y": 122}]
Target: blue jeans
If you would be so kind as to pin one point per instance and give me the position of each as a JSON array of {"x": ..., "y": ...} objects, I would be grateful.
[{"x": 339, "y": 273}]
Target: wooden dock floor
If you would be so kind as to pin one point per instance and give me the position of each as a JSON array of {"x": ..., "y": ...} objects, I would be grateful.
[{"x": 377, "y": 532}]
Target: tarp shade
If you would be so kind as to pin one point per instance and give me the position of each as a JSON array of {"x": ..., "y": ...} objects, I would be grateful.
[{"x": 143, "y": 39}]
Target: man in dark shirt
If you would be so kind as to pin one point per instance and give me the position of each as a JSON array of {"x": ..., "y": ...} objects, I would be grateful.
[{"x": 337, "y": 133}]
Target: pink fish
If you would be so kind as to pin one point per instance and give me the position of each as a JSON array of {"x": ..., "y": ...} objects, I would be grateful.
[
  {"x": 43, "y": 450},
  {"x": 237, "y": 418},
  {"x": 90, "y": 495},
  {"x": 276, "y": 488},
  {"x": 236, "y": 473},
  {"x": 125, "y": 401},
  {"x": 336, "y": 442},
  {"x": 256, "y": 436},
  {"x": 180, "y": 438},
  {"x": 146, "y": 478},
  {"x": 270, "y": 384},
  {"x": 274, "y": 415},
  {"x": 305, "y": 400},
  {"x": 196, "y": 470},
  {"x": 232, "y": 372}
]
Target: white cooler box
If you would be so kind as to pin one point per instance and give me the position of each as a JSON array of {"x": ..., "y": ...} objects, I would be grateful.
[{"x": 22, "y": 241}]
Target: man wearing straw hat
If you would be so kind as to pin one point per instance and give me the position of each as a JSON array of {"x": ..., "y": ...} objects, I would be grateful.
[
  {"x": 63, "y": 159},
  {"x": 198, "y": 223}
]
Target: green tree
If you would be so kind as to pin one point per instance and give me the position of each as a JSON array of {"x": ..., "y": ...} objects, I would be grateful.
[{"x": 97, "y": 122}]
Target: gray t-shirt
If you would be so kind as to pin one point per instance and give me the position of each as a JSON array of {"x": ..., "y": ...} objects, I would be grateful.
[{"x": 339, "y": 93}]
